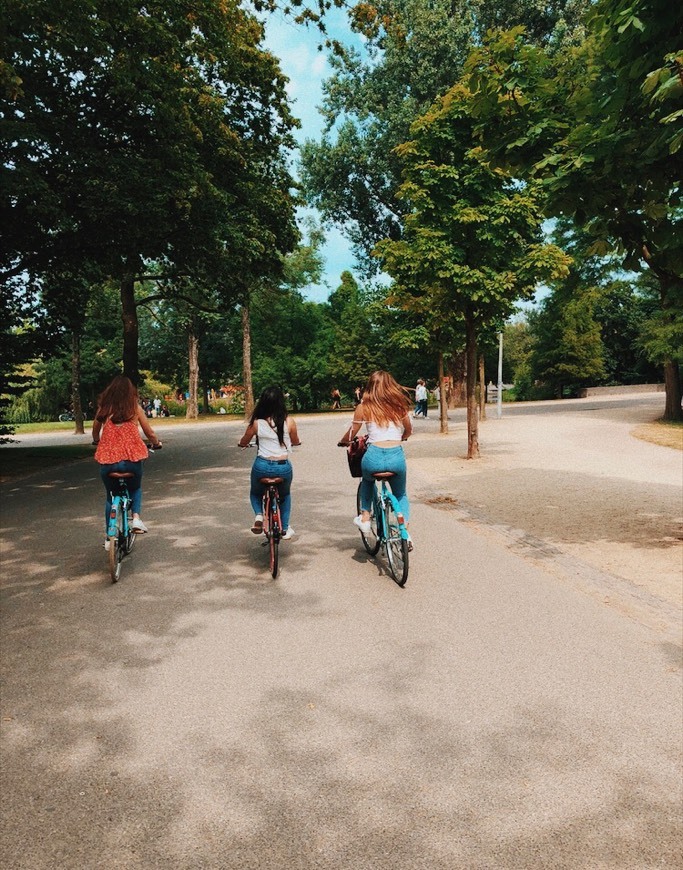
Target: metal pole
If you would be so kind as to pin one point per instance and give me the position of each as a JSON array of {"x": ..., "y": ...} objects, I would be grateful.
[{"x": 499, "y": 404}]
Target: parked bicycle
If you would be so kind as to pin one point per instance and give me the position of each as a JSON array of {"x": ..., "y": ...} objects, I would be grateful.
[
  {"x": 387, "y": 527},
  {"x": 120, "y": 533}
]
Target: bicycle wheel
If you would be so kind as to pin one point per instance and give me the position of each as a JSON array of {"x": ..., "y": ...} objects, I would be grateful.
[
  {"x": 397, "y": 547},
  {"x": 370, "y": 539},
  {"x": 130, "y": 536},
  {"x": 274, "y": 535},
  {"x": 116, "y": 550}
]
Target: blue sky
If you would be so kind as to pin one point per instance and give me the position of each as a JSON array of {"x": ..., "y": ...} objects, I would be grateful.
[{"x": 307, "y": 68}]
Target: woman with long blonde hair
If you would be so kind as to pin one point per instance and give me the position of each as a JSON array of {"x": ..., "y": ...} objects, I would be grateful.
[
  {"x": 119, "y": 445},
  {"x": 385, "y": 411}
]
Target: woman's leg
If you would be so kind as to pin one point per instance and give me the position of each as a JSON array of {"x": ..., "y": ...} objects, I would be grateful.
[
  {"x": 134, "y": 485},
  {"x": 286, "y": 473}
]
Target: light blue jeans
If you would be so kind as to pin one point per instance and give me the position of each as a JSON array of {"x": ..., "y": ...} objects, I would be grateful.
[
  {"x": 270, "y": 468},
  {"x": 134, "y": 485},
  {"x": 384, "y": 459}
]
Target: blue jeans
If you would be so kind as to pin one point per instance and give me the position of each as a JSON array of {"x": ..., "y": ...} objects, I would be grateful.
[
  {"x": 270, "y": 468},
  {"x": 134, "y": 485},
  {"x": 384, "y": 459}
]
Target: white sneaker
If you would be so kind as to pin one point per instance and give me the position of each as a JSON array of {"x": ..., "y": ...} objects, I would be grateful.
[
  {"x": 138, "y": 526},
  {"x": 289, "y": 534},
  {"x": 365, "y": 527},
  {"x": 107, "y": 544}
]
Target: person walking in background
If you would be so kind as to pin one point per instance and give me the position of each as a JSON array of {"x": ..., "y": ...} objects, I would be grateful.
[
  {"x": 420, "y": 399},
  {"x": 385, "y": 411},
  {"x": 357, "y": 395},
  {"x": 276, "y": 433},
  {"x": 119, "y": 445},
  {"x": 336, "y": 400}
]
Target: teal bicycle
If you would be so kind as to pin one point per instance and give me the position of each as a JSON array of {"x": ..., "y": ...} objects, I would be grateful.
[
  {"x": 387, "y": 527},
  {"x": 120, "y": 534}
]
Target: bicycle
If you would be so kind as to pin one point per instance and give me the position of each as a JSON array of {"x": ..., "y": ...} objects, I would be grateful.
[
  {"x": 272, "y": 522},
  {"x": 387, "y": 527},
  {"x": 120, "y": 532}
]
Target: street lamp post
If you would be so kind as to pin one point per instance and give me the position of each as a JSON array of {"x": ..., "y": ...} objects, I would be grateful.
[{"x": 499, "y": 403}]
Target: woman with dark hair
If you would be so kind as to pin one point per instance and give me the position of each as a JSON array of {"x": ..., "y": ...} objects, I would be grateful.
[
  {"x": 119, "y": 445},
  {"x": 385, "y": 411},
  {"x": 276, "y": 434}
]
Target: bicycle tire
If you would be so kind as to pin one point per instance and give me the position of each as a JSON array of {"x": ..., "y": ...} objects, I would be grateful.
[
  {"x": 371, "y": 541},
  {"x": 274, "y": 536},
  {"x": 130, "y": 536},
  {"x": 115, "y": 551},
  {"x": 396, "y": 546},
  {"x": 65, "y": 418}
]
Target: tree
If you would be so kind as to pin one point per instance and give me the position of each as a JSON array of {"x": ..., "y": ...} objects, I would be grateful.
[
  {"x": 472, "y": 244},
  {"x": 596, "y": 127},
  {"x": 567, "y": 349},
  {"x": 133, "y": 135}
]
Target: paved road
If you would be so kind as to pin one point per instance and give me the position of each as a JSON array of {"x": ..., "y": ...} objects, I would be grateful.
[{"x": 201, "y": 715}]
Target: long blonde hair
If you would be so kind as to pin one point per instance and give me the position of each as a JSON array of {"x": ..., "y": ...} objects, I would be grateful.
[
  {"x": 118, "y": 401},
  {"x": 384, "y": 400}
]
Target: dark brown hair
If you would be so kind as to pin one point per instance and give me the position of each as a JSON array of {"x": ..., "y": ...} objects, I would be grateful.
[{"x": 119, "y": 401}]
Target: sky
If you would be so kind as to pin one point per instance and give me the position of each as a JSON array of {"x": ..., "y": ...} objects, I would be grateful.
[{"x": 307, "y": 68}]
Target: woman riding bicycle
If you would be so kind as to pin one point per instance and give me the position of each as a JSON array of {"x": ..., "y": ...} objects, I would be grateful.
[
  {"x": 275, "y": 432},
  {"x": 384, "y": 409},
  {"x": 119, "y": 445}
]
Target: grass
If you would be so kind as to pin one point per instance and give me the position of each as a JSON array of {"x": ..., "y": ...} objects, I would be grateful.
[
  {"x": 19, "y": 462},
  {"x": 663, "y": 432},
  {"x": 159, "y": 422}
]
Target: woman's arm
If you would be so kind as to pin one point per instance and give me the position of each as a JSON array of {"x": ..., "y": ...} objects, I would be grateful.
[
  {"x": 407, "y": 428},
  {"x": 249, "y": 434},
  {"x": 96, "y": 429},
  {"x": 352, "y": 431},
  {"x": 293, "y": 433},
  {"x": 146, "y": 428}
]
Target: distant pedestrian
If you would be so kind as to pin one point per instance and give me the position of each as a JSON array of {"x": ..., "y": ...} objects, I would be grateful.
[
  {"x": 420, "y": 399},
  {"x": 357, "y": 396},
  {"x": 336, "y": 400}
]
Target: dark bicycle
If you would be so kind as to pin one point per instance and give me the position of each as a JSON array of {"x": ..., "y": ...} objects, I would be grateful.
[{"x": 272, "y": 519}]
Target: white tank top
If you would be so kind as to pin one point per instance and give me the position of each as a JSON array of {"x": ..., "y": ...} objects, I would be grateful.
[
  {"x": 268, "y": 445},
  {"x": 391, "y": 432}
]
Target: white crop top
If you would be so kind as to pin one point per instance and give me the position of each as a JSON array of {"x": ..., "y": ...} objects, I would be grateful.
[
  {"x": 268, "y": 445},
  {"x": 391, "y": 432}
]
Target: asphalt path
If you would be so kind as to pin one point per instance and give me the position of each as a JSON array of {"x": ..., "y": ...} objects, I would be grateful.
[{"x": 199, "y": 714}]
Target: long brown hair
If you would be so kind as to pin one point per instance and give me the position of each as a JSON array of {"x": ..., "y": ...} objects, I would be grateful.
[
  {"x": 384, "y": 400},
  {"x": 118, "y": 401}
]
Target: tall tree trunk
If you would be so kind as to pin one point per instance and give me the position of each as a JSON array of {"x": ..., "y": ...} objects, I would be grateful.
[
  {"x": 457, "y": 367},
  {"x": 472, "y": 414},
  {"x": 129, "y": 316},
  {"x": 76, "y": 381},
  {"x": 193, "y": 357},
  {"x": 443, "y": 405},
  {"x": 482, "y": 388},
  {"x": 672, "y": 385},
  {"x": 205, "y": 394},
  {"x": 246, "y": 363}
]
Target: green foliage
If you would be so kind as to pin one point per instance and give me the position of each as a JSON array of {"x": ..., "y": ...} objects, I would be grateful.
[
  {"x": 472, "y": 244},
  {"x": 567, "y": 349}
]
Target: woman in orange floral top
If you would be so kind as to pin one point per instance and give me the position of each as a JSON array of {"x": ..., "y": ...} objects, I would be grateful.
[{"x": 119, "y": 445}]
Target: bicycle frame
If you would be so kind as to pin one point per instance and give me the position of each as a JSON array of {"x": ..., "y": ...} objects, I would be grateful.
[
  {"x": 389, "y": 530},
  {"x": 120, "y": 534}
]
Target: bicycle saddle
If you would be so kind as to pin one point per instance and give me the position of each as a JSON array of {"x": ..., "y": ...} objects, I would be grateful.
[
  {"x": 271, "y": 479},
  {"x": 383, "y": 475},
  {"x": 120, "y": 474}
]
